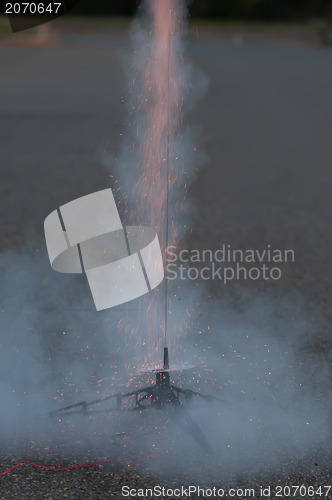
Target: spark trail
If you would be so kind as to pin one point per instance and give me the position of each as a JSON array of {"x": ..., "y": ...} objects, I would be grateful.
[{"x": 157, "y": 96}]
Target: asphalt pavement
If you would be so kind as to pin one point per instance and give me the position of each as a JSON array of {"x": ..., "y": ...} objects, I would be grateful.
[{"x": 263, "y": 128}]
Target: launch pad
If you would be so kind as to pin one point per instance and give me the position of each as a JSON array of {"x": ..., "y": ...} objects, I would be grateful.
[{"x": 162, "y": 396}]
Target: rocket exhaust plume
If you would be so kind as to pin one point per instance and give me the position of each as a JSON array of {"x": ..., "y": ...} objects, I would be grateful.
[
  {"x": 158, "y": 115},
  {"x": 153, "y": 172},
  {"x": 161, "y": 95}
]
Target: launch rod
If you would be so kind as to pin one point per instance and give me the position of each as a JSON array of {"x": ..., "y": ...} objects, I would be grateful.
[{"x": 168, "y": 160}]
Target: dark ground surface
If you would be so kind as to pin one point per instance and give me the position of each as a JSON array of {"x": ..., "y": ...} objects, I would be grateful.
[{"x": 265, "y": 125}]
